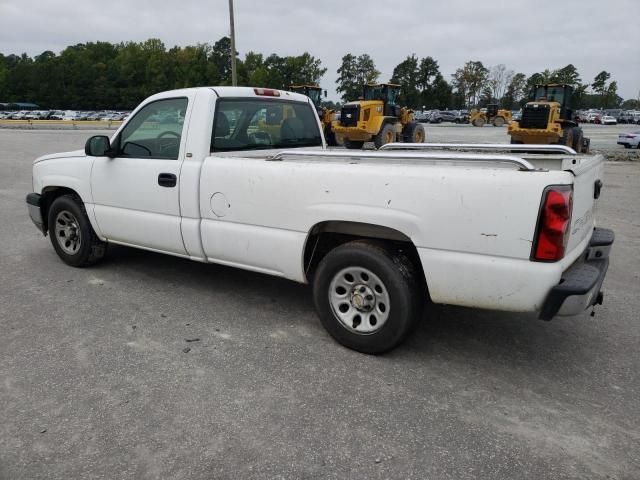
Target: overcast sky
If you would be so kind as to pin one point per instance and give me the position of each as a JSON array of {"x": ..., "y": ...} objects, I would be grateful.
[{"x": 526, "y": 36}]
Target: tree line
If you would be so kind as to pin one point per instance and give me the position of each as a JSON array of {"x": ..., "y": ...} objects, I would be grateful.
[{"x": 100, "y": 75}]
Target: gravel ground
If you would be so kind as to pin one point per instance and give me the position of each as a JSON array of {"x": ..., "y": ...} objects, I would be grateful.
[{"x": 101, "y": 375}]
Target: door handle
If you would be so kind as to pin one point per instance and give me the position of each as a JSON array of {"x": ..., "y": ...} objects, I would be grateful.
[{"x": 167, "y": 180}]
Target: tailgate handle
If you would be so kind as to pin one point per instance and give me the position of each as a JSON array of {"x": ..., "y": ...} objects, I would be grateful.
[
  {"x": 167, "y": 180},
  {"x": 597, "y": 187}
]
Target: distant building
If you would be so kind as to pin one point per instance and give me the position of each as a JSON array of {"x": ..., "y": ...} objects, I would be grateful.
[{"x": 18, "y": 106}]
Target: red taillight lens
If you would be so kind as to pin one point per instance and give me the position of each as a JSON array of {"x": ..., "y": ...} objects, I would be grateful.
[
  {"x": 553, "y": 224},
  {"x": 266, "y": 92}
]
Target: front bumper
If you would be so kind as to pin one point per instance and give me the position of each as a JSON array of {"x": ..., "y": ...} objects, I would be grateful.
[
  {"x": 580, "y": 285},
  {"x": 35, "y": 212}
]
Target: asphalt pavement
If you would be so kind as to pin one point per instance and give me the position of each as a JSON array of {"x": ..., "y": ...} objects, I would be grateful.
[{"x": 153, "y": 367}]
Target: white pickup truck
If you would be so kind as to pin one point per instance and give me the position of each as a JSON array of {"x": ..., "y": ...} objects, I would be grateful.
[{"x": 241, "y": 176}]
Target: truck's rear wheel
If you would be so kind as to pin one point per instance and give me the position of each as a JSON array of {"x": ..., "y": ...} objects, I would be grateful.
[
  {"x": 367, "y": 297},
  {"x": 413, "y": 133},
  {"x": 387, "y": 134},
  {"x": 479, "y": 122},
  {"x": 71, "y": 233},
  {"x": 353, "y": 144}
]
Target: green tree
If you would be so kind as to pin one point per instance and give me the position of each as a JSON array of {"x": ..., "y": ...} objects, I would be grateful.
[
  {"x": 407, "y": 74},
  {"x": 470, "y": 80},
  {"x": 567, "y": 75},
  {"x": 630, "y": 104},
  {"x": 353, "y": 74},
  {"x": 515, "y": 93}
]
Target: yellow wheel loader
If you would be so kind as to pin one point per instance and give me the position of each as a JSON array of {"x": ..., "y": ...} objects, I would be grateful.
[
  {"x": 547, "y": 118},
  {"x": 495, "y": 116},
  {"x": 327, "y": 116},
  {"x": 377, "y": 118}
]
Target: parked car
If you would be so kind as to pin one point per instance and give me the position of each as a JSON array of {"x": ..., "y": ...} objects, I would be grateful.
[
  {"x": 420, "y": 116},
  {"x": 361, "y": 227},
  {"x": 591, "y": 117},
  {"x": 70, "y": 116},
  {"x": 608, "y": 120},
  {"x": 19, "y": 115},
  {"x": 439, "y": 116},
  {"x": 629, "y": 140}
]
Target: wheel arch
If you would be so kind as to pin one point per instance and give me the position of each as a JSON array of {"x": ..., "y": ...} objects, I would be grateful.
[
  {"x": 48, "y": 196},
  {"x": 327, "y": 235}
]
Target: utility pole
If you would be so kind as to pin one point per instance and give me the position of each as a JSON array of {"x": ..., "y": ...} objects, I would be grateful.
[{"x": 234, "y": 75}]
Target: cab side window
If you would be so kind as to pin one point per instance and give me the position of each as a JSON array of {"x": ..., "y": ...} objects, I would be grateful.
[{"x": 155, "y": 131}]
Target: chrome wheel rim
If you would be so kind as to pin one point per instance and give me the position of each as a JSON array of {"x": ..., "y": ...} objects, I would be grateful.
[
  {"x": 67, "y": 232},
  {"x": 359, "y": 300}
]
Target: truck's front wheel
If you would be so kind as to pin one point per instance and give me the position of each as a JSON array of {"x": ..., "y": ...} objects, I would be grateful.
[
  {"x": 366, "y": 296},
  {"x": 72, "y": 235}
]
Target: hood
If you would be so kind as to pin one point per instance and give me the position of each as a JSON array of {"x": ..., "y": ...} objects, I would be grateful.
[{"x": 53, "y": 156}]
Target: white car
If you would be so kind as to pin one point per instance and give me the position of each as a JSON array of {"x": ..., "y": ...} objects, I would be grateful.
[
  {"x": 629, "y": 140},
  {"x": 608, "y": 120},
  {"x": 246, "y": 181}
]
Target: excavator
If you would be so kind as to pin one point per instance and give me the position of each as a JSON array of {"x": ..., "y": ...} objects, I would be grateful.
[
  {"x": 376, "y": 117},
  {"x": 326, "y": 115},
  {"x": 494, "y": 115},
  {"x": 547, "y": 118}
]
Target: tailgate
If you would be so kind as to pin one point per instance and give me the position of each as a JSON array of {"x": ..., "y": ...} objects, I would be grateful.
[{"x": 588, "y": 179}]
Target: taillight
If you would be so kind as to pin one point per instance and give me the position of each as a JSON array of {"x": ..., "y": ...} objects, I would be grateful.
[
  {"x": 553, "y": 224},
  {"x": 266, "y": 92}
]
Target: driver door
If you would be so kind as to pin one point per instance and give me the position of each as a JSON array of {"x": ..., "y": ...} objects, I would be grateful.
[{"x": 135, "y": 194}]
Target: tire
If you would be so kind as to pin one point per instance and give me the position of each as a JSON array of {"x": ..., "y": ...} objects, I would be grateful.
[
  {"x": 330, "y": 137},
  {"x": 577, "y": 139},
  {"x": 387, "y": 134},
  {"x": 367, "y": 297},
  {"x": 567, "y": 137},
  {"x": 498, "y": 122},
  {"x": 413, "y": 133},
  {"x": 626, "y": 145},
  {"x": 71, "y": 233},
  {"x": 353, "y": 144},
  {"x": 479, "y": 122}
]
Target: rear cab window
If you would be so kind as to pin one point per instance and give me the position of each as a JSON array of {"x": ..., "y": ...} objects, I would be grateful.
[{"x": 262, "y": 124}]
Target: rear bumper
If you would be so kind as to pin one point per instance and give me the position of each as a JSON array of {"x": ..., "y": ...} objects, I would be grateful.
[
  {"x": 35, "y": 212},
  {"x": 580, "y": 285}
]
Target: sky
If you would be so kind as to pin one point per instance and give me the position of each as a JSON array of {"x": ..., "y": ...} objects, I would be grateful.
[{"x": 526, "y": 36}]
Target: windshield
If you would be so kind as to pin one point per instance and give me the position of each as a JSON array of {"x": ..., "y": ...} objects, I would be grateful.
[
  {"x": 382, "y": 92},
  {"x": 315, "y": 96},
  {"x": 251, "y": 124},
  {"x": 550, "y": 94}
]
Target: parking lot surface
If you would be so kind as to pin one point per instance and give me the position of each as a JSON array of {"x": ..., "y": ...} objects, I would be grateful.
[{"x": 153, "y": 367}]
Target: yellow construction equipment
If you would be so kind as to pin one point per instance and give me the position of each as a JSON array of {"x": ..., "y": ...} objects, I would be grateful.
[
  {"x": 547, "y": 119},
  {"x": 377, "y": 118},
  {"x": 494, "y": 115},
  {"x": 327, "y": 116}
]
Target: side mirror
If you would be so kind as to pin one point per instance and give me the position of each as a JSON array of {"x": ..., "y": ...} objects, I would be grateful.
[{"x": 98, "y": 146}]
